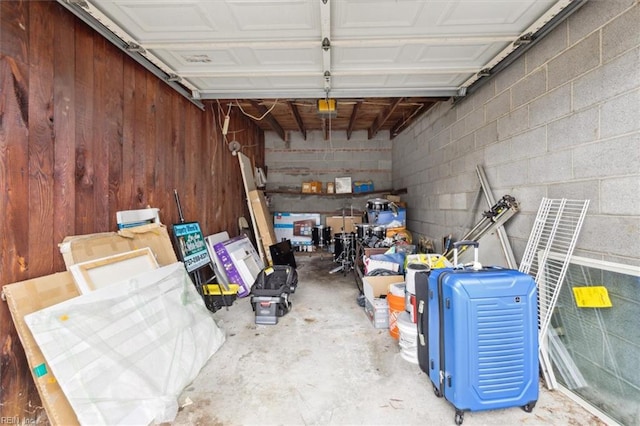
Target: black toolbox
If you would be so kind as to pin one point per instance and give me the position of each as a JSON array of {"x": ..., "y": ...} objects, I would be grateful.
[{"x": 270, "y": 293}]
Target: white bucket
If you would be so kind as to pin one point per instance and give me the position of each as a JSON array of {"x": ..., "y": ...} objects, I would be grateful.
[
  {"x": 408, "y": 340},
  {"x": 410, "y": 296},
  {"x": 412, "y": 269}
]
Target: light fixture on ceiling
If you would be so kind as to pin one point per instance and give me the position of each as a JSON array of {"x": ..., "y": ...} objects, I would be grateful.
[{"x": 327, "y": 108}]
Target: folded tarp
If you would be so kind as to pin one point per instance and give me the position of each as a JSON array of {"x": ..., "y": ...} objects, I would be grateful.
[{"x": 123, "y": 353}]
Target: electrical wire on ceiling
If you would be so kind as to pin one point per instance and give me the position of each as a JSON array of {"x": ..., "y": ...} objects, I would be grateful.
[
  {"x": 224, "y": 128},
  {"x": 411, "y": 115},
  {"x": 376, "y": 103},
  {"x": 313, "y": 104},
  {"x": 267, "y": 112}
]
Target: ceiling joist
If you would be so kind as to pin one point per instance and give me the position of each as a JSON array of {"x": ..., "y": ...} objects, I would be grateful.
[
  {"x": 264, "y": 112},
  {"x": 296, "y": 115},
  {"x": 352, "y": 119},
  {"x": 383, "y": 117},
  {"x": 402, "y": 124},
  {"x": 326, "y": 128}
]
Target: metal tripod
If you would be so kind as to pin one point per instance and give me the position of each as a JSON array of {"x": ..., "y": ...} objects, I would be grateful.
[{"x": 492, "y": 219}]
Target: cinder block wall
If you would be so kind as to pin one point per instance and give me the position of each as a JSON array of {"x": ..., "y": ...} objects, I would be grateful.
[
  {"x": 563, "y": 121},
  {"x": 297, "y": 160}
]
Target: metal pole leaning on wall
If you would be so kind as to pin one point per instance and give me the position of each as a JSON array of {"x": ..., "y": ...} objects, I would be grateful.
[{"x": 502, "y": 234}]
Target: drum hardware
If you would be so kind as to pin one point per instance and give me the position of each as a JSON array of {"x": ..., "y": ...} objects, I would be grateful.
[
  {"x": 318, "y": 236},
  {"x": 378, "y": 204},
  {"x": 364, "y": 230},
  {"x": 344, "y": 251},
  {"x": 379, "y": 232}
]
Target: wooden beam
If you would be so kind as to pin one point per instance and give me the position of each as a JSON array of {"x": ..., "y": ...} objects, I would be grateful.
[
  {"x": 401, "y": 125},
  {"x": 270, "y": 119},
  {"x": 383, "y": 117},
  {"x": 325, "y": 128},
  {"x": 352, "y": 119},
  {"x": 296, "y": 114}
]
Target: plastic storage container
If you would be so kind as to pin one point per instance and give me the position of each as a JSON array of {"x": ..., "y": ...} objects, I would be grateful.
[{"x": 270, "y": 293}]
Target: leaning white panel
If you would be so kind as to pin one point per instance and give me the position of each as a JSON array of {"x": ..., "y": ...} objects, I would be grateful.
[{"x": 122, "y": 354}]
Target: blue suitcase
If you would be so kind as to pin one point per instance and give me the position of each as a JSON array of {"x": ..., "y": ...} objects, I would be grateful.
[{"x": 482, "y": 337}]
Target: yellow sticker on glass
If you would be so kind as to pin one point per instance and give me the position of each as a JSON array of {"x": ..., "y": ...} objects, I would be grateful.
[{"x": 592, "y": 297}]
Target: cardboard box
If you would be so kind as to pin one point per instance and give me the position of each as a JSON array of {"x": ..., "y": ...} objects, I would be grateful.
[
  {"x": 313, "y": 187},
  {"x": 335, "y": 223},
  {"x": 373, "y": 288},
  {"x": 330, "y": 188},
  {"x": 295, "y": 227},
  {"x": 378, "y": 313},
  {"x": 82, "y": 248},
  {"x": 240, "y": 262},
  {"x": 360, "y": 187},
  {"x": 343, "y": 185},
  {"x": 304, "y": 228},
  {"x": 386, "y": 217},
  {"x": 370, "y": 251},
  {"x": 25, "y": 298}
]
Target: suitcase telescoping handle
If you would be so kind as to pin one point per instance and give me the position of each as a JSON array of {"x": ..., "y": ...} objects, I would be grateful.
[{"x": 458, "y": 244}]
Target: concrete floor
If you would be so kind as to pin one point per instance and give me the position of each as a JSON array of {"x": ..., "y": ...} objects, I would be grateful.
[{"x": 325, "y": 364}]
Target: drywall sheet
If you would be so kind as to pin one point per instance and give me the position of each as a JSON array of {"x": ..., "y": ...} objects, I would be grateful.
[
  {"x": 122, "y": 354},
  {"x": 249, "y": 188},
  {"x": 99, "y": 273},
  {"x": 264, "y": 222},
  {"x": 81, "y": 248},
  {"x": 30, "y": 296}
]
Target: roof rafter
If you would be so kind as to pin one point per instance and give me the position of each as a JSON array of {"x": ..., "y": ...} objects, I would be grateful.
[
  {"x": 383, "y": 117},
  {"x": 352, "y": 119},
  {"x": 296, "y": 115},
  {"x": 270, "y": 119}
]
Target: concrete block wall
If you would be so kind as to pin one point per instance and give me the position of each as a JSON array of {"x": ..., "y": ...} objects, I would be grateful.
[
  {"x": 563, "y": 121},
  {"x": 315, "y": 159}
]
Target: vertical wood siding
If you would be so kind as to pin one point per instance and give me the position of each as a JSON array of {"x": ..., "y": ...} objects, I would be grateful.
[{"x": 86, "y": 132}]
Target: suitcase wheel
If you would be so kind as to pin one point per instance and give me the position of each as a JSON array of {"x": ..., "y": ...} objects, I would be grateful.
[
  {"x": 529, "y": 407},
  {"x": 459, "y": 417},
  {"x": 437, "y": 391}
]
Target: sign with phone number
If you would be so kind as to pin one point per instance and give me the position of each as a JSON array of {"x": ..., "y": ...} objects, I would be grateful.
[{"x": 191, "y": 245}]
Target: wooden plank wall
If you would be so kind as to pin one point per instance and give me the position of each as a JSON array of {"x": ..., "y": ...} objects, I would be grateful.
[{"x": 84, "y": 132}]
